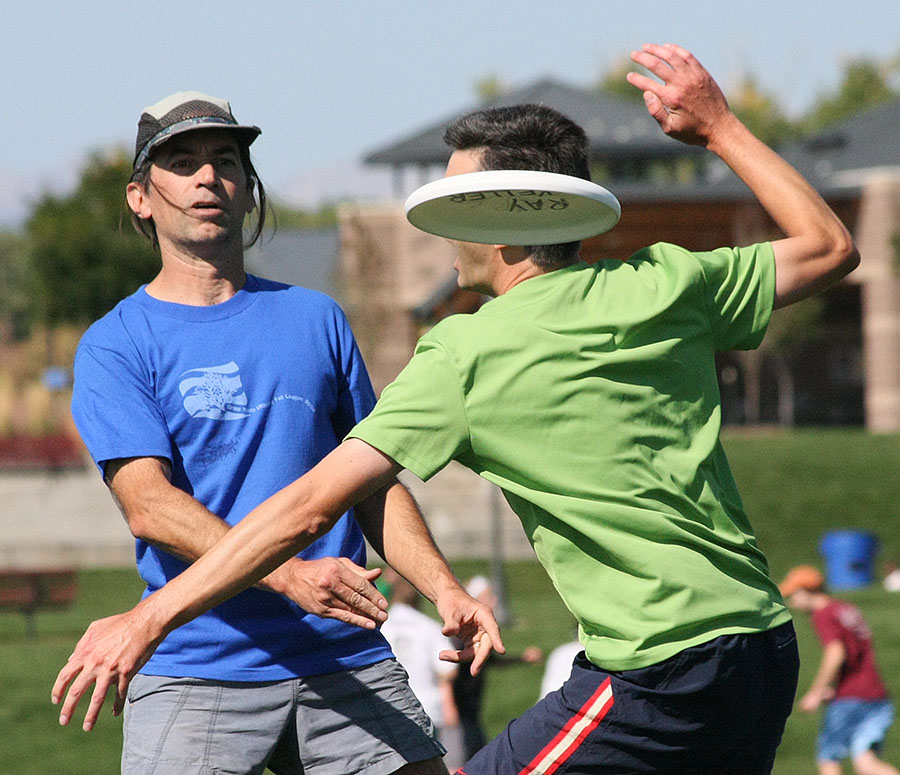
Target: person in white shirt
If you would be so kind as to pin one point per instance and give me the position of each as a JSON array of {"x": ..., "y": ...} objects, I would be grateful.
[{"x": 416, "y": 640}]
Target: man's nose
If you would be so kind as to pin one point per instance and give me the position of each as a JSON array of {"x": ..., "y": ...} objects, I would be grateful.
[{"x": 206, "y": 173}]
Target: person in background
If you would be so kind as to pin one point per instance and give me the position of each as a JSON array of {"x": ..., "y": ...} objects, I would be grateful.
[
  {"x": 468, "y": 689},
  {"x": 559, "y": 665},
  {"x": 858, "y": 711},
  {"x": 416, "y": 640}
]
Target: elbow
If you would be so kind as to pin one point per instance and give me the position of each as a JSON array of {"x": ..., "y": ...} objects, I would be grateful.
[
  {"x": 304, "y": 519},
  {"x": 839, "y": 250},
  {"x": 313, "y": 526},
  {"x": 140, "y": 523},
  {"x": 845, "y": 254}
]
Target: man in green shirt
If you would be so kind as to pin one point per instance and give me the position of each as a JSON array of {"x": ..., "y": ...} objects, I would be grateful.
[{"x": 588, "y": 393}]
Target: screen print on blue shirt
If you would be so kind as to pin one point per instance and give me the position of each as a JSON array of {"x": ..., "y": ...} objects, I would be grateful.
[{"x": 243, "y": 398}]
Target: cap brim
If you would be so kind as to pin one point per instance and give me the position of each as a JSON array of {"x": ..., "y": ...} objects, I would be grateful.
[{"x": 246, "y": 134}]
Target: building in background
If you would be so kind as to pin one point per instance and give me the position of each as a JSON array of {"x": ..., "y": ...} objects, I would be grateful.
[{"x": 834, "y": 360}]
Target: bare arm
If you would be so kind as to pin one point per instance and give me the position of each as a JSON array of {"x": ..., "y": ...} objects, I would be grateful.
[
  {"x": 822, "y": 688},
  {"x": 689, "y": 106},
  {"x": 167, "y": 517},
  {"x": 394, "y": 525},
  {"x": 113, "y": 649}
]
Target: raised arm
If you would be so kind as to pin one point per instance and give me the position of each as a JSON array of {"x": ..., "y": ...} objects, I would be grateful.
[
  {"x": 167, "y": 517},
  {"x": 689, "y": 106}
]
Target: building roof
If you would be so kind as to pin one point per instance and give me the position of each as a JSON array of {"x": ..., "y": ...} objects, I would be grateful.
[
  {"x": 617, "y": 128},
  {"x": 844, "y": 155},
  {"x": 837, "y": 161}
]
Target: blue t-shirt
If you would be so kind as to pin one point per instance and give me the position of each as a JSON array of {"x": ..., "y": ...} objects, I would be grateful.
[{"x": 243, "y": 398}]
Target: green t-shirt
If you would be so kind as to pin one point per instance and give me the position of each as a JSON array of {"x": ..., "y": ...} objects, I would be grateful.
[{"x": 589, "y": 395}]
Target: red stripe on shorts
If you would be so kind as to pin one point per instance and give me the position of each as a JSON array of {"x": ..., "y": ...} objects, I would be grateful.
[{"x": 569, "y": 738}]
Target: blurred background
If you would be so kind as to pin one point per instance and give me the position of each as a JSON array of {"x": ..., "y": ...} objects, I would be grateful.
[{"x": 352, "y": 100}]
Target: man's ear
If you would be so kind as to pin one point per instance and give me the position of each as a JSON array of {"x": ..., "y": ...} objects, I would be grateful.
[{"x": 137, "y": 200}]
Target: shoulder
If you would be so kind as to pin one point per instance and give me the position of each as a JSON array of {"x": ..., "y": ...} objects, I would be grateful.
[
  {"x": 296, "y": 305},
  {"x": 112, "y": 329},
  {"x": 272, "y": 290},
  {"x": 665, "y": 255}
]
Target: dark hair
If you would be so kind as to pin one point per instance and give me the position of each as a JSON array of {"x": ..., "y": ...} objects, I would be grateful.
[
  {"x": 145, "y": 226},
  {"x": 526, "y": 137}
]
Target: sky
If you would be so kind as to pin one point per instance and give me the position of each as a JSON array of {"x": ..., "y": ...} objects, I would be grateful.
[{"x": 330, "y": 81}]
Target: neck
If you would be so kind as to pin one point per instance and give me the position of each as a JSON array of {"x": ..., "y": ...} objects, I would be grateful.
[
  {"x": 515, "y": 267},
  {"x": 197, "y": 281}
]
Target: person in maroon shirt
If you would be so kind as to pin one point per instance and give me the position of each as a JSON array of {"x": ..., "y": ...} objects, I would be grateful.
[{"x": 859, "y": 711}]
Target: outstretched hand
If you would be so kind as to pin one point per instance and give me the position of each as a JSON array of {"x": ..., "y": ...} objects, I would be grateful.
[
  {"x": 688, "y": 104},
  {"x": 109, "y": 654},
  {"x": 472, "y": 623}
]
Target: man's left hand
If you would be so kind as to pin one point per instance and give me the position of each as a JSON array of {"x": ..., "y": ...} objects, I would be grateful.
[
  {"x": 109, "y": 654},
  {"x": 472, "y": 623}
]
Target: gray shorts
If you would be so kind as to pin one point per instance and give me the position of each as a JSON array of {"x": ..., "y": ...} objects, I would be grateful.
[{"x": 364, "y": 720}]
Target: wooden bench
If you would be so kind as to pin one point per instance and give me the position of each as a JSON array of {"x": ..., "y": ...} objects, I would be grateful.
[{"x": 30, "y": 591}]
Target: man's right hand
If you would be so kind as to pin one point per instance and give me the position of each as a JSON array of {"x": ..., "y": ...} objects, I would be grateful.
[
  {"x": 687, "y": 104},
  {"x": 333, "y": 588}
]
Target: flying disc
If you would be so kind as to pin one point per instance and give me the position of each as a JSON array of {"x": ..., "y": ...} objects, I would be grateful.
[{"x": 513, "y": 207}]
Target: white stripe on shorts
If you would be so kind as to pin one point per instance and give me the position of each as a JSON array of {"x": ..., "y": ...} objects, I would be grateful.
[{"x": 569, "y": 738}]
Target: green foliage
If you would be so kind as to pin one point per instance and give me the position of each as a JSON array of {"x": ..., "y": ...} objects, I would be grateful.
[
  {"x": 85, "y": 255},
  {"x": 15, "y": 287},
  {"x": 761, "y": 113},
  {"x": 865, "y": 84},
  {"x": 614, "y": 84},
  {"x": 490, "y": 87}
]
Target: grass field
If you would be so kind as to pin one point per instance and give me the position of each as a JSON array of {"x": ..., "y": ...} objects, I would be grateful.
[{"x": 795, "y": 485}]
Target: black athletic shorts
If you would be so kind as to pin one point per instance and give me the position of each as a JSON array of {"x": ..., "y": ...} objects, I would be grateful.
[{"x": 713, "y": 709}]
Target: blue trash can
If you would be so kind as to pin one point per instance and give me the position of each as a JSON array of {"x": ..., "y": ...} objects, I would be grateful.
[{"x": 849, "y": 558}]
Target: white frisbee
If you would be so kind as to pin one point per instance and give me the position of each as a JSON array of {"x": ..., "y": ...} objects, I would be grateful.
[{"x": 513, "y": 207}]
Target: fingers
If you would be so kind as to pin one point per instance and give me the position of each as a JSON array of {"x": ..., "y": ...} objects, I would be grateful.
[
  {"x": 360, "y": 580},
  {"x": 337, "y": 588},
  {"x": 75, "y": 678},
  {"x": 482, "y": 648},
  {"x": 77, "y": 689},
  {"x": 664, "y": 60},
  {"x": 656, "y": 108},
  {"x": 97, "y": 699},
  {"x": 63, "y": 679},
  {"x": 476, "y": 653},
  {"x": 119, "y": 704}
]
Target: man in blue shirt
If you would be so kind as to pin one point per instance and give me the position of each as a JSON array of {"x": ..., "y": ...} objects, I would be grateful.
[{"x": 195, "y": 414}]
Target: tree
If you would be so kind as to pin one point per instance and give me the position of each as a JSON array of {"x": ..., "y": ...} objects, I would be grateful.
[
  {"x": 490, "y": 87},
  {"x": 84, "y": 253},
  {"x": 15, "y": 287},
  {"x": 865, "y": 84},
  {"x": 614, "y": 83},
  {"x": 762, "y": 114}
]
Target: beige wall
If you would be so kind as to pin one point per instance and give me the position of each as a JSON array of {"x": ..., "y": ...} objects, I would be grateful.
[
  {"x": 386, "y": 269},
  {"x": 879, "y": 274}
]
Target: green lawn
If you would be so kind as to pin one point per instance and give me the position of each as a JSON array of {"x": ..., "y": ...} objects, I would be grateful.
[{"x": 795, "y": 485}]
